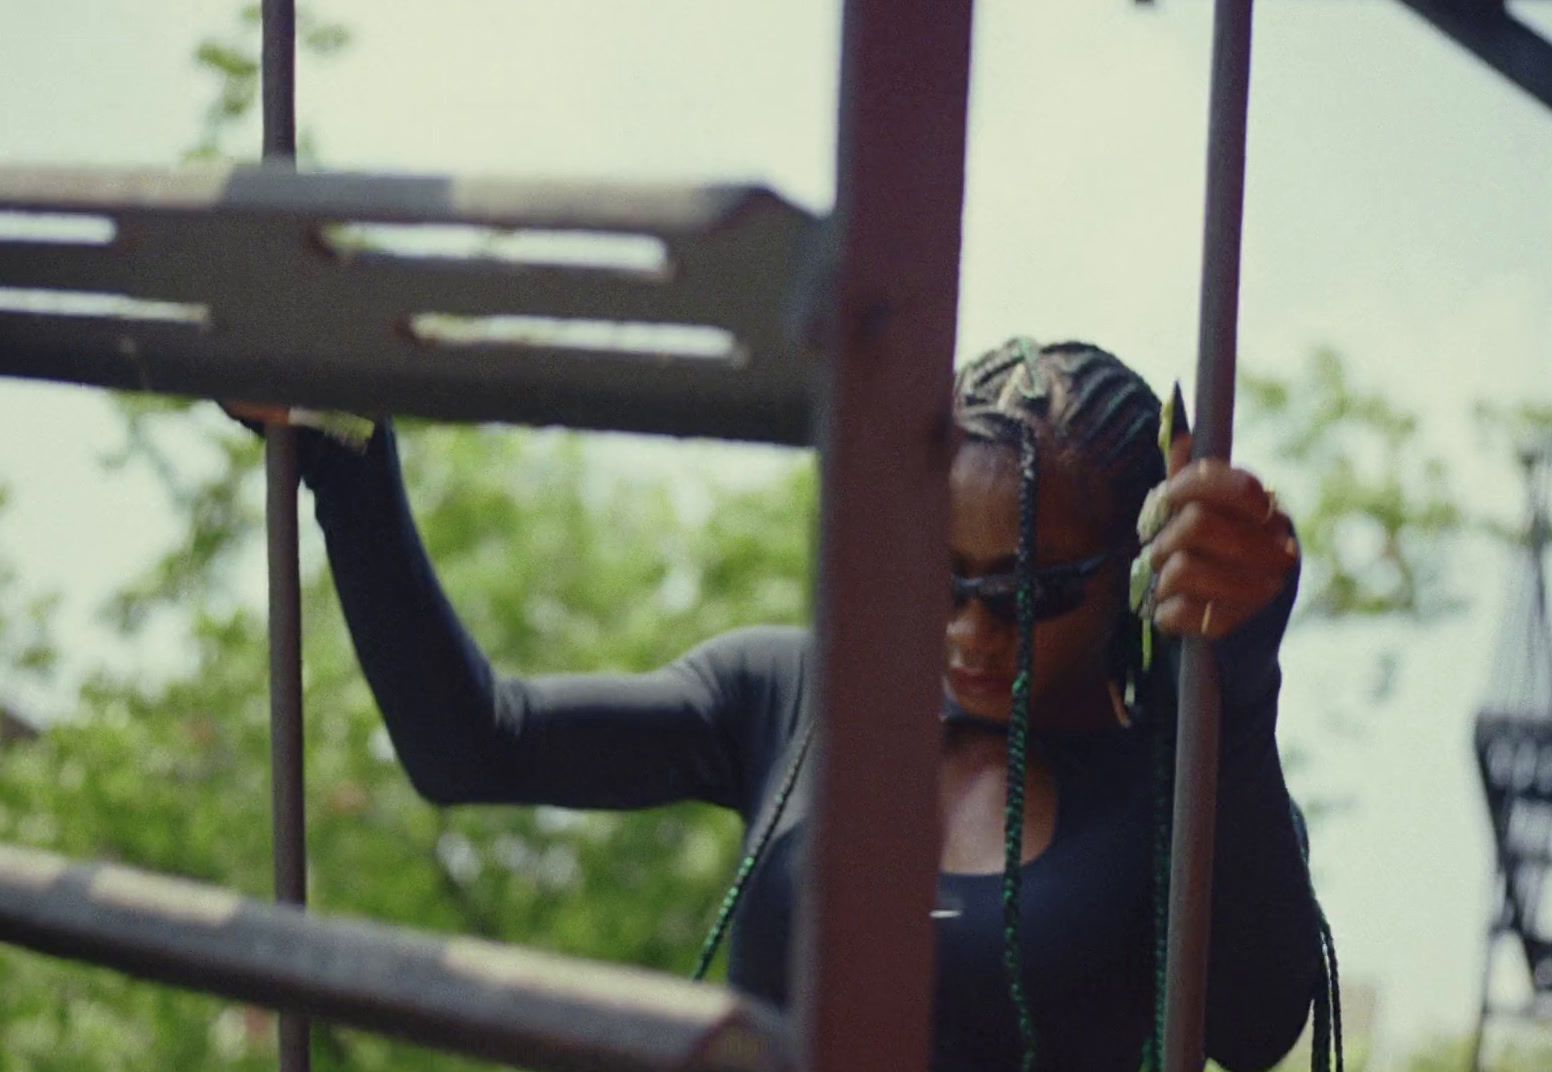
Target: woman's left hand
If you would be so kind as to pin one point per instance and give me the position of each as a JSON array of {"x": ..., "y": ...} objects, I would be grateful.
[{"x": 1225, "y": 551}]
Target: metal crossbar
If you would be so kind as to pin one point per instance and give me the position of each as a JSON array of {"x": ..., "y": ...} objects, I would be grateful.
[
  {"x": 459, "y": 994},
  {"x": 1493, "y": 35},
  {"x": 265, "y": 285},
  {"x": 394, "y": 294}
]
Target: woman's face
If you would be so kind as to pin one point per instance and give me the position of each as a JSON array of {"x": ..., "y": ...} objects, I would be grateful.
[{"x": 1070, "y": 651}]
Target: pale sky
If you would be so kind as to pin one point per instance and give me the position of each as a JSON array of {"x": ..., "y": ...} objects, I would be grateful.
[{"x": 1397, "y": 209}]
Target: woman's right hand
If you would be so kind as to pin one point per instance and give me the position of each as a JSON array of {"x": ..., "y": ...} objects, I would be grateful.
[
  {"x": 325, "y": 453},
  {"x": 252, "y": 414}
]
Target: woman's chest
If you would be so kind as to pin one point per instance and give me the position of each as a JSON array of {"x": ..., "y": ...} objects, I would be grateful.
[{"x": 1084, "y": 906}]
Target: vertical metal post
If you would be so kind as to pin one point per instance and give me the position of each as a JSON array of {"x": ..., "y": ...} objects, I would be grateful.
[
  {"x": 278, "y": 88},
  {"x": 864, "y": 994},
  {"x": 1196, "y": 763}
]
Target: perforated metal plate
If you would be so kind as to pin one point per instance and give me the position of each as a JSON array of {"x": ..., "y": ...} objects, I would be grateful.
[{"x": 653, "y": 309}]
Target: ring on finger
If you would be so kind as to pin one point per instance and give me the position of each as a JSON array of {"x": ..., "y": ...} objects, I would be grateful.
[{"x": 1207, "y": 617}]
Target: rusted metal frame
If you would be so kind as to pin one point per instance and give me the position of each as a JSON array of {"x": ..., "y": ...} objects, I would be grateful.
[
  {"x": 666, "y": 210},
  {"x": 1196, "y": 761},
  {"x": 527, "y": 1008},
  {"x": 1497, "y": 38},
  {"x": 864, "y": 993},
  {"x": 278, "y": 97},
  {"x": 574, "y": 388},
  {"x": 331, "y": 332}
]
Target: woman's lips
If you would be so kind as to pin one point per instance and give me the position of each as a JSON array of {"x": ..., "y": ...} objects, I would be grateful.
[{"x": 979, "y": 684}]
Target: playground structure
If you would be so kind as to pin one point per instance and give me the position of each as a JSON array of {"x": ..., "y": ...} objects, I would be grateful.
[{"x": 755, "y": 320}]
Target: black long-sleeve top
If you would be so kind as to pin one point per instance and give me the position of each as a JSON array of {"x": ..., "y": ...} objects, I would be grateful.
[{"x": 721, "y": 725}]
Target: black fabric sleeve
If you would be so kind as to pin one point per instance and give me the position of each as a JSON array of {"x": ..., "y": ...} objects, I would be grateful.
[
  {"x": 691, "y": 730},
  {"x": 1265, "y": 954}
]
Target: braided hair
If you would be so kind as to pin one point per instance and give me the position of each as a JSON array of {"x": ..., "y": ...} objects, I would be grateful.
[
  {"x": 1083, "y": 403},
  {"x": 1090, "y": 408}
]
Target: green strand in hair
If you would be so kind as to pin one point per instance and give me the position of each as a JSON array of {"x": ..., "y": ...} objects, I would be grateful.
[
  {"x": 1163, "y": 729},
  {"x": 757, "y": 846},
  {"x": 1018, "y": 742},
  {"x": 1328, "y": 999}
]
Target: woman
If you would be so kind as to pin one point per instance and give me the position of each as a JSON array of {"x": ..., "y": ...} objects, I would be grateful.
[{"x": 1056, "y": 869}]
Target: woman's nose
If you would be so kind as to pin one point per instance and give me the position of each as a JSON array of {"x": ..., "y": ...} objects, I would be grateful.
[{"x": 971, "y": 627}]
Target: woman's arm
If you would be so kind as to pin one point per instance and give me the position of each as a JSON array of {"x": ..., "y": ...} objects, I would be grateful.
[
  {"x": 1227, "y": 564},
  {"x": 1264, "y": 952},
  {"x": 691, "y": 730}
]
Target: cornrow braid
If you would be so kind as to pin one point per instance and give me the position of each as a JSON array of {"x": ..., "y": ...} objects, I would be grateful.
[
  {"x": 1163, "y": 821},
  {"x": 1018, "y": 741},
  {"x": 1331, "y": 982},
  {"x": 1101, "y": 414},
  {"x": 1097, "y": 410},
  {"x": 746, "y": 866}
]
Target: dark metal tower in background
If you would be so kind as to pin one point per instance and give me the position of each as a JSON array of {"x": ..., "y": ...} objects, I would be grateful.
[{"x": 1514, "y": 758}]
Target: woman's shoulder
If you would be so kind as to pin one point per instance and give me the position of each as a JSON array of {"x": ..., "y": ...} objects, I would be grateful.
[{"x": 758, "y": 652}]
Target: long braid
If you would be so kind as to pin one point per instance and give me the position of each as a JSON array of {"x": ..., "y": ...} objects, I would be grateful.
[
  {"x": 1093, "y": 405},
  {"x": 1095, "y": 408},
  {"x": 1326, "y": 1040},
  {"x": 751, "y": 858},
  {"x": 1018, "y": 740},
  {"x": 1332, "y": 983},
  {"x": 1320, "y": 1040},
  {"x": 1163, "y": 801}
]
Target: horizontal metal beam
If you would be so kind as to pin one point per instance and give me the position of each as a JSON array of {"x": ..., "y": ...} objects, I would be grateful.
[
  {"x": 1493, "y": 35},
  {"x": 1496, "y": 38},
  {"x": 666, "y": 210},
  {"x": 491, "y": 1001},
  {"x": 264, "y": 285}
]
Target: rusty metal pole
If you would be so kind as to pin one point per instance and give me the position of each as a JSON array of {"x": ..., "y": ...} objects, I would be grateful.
[
  {"x": 1196, "y": 761},
  {"x": 864, "y": 994},
  {"x": 278, "y": 87}
]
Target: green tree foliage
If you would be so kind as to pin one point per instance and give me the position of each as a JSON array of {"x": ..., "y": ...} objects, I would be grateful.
[
  {"x": 1374, "y": 507},
  {"x": 232, "y": 59},
  {"x": 1524, "y": 1051},
  {"x": 27, "y": 650},
  {"x": 556, "y": 561}
]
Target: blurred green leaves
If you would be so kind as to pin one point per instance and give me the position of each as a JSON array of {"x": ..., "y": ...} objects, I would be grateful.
[
  {"x": 1374, "y": 506},
  {"x": 559, "y": 556},
  {"x": 232, "y": 60}
]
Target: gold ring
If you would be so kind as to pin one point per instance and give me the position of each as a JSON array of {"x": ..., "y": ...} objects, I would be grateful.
[{"x": 1207, "y": 617}]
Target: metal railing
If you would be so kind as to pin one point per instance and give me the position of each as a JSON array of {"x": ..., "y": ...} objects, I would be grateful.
[
  {"x": 740, "y": 263},
  {"x": 876, "y": 288}
]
